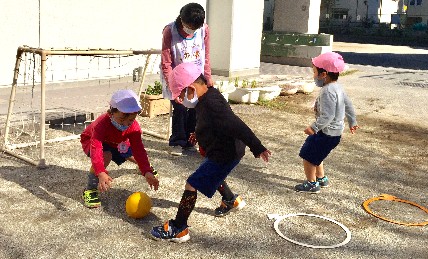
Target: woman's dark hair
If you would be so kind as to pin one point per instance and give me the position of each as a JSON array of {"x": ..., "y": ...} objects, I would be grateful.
[
  {"x": 333, "y": 76},
  {"x": 192, "y": 14},
  {"x": 112, "y": 110},
  {"x": 201, "y": 80}
]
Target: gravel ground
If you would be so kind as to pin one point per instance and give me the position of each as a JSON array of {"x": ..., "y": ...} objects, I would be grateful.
[{"x": 42, "y": 216}]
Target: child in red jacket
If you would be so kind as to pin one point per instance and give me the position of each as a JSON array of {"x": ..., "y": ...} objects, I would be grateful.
[{"x": 114, "y": 136}]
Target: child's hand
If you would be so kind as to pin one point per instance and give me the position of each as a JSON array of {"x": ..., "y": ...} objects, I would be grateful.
[
  {"x": 265, "y": 155},
  {"x": 178, "y": 100},
  {"x": 192, "y": 138},
  {"x": 104, "y": 183},
  {"x": 309, "y": 131},
  {"x": 152, "y": 181},
  {"x": 353, "y": 129}
]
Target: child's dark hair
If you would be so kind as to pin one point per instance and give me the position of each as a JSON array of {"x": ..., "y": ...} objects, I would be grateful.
[
  {"x": 192, "y": 14},
  {"x": 112, "y": 110},
  {"x": 201, "y": 80},
  {"x": 333, "y": 76}
]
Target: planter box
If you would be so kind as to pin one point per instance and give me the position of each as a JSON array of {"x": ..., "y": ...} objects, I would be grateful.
[
  {"x": 225, "y": 88},
  {"x": 153, "y": 105},
  {"x": 245, "y": 95},
  {"x": 269, "y": 93}
]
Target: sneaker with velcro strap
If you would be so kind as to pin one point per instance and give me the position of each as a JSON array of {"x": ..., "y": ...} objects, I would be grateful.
[
  {"x": 170, "y": 232},
  {"x": 91, "y": 199},
  {"x": 308, "y": 187},
  {"x": 324, "y": 182},
  {"x": 237, "y": 203}
]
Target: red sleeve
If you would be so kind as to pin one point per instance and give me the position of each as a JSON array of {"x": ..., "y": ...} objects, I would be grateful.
[
  {"x": 166, "y": 59},
  {"x": 99, "y": 132},
  {"x": 207, "y": 67},
  {"x": 138, "y": 150}
]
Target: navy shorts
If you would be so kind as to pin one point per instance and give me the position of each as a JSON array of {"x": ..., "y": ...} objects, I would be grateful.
[
  {"x": 117, "y": 157},
  {"x": 208, "y": 177},
  {"x": 317, "y": 147}
]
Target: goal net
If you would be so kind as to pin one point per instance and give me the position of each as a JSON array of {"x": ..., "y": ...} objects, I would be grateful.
[{"x": 56, "y": 93}]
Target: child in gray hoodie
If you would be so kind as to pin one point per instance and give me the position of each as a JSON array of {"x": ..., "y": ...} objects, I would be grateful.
[{"x": 331, "y": 108}]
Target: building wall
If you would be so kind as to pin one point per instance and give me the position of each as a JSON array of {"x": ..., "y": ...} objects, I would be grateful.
[
  {"x": 80, "y": 24},
  {"x": 418, "y": 10},
  {"x": 359, "y": 10}
]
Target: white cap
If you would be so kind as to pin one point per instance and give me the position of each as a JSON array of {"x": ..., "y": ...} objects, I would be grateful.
[{"x": 125, "y": 101}]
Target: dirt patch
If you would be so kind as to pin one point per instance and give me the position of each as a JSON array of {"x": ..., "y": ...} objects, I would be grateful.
[{"x": 384, "y": 156}]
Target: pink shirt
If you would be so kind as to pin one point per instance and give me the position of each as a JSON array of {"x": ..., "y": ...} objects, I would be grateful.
[
  {"x": 102, "y": 131},
  {"x": 166, "y": 59}
]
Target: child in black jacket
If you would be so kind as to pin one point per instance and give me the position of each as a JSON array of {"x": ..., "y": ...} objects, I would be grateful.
[{"x": 222, "y": 135}]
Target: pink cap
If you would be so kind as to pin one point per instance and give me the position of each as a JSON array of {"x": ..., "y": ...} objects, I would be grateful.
[
  {"x": 330, "y": 61},
  {"x": 125, "y": 101},
  {"x": 182, "y": 76}
]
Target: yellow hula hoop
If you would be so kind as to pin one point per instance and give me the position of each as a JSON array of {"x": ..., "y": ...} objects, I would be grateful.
[{"x": 388, "y": 197}]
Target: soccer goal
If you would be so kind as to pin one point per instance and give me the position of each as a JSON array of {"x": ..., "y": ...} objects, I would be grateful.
[{"x": 55, "y": 93}]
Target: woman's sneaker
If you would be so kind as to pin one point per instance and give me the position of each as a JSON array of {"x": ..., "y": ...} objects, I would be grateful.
[
  {"x": 307, "y": 186},
  {"x": 170, "y": 232},
  {"x": 237, "y": 203},
  {"x": 323, "y": 182},
  {"x": 91, "y": 199},
  {"x": 176, "y": 150}
]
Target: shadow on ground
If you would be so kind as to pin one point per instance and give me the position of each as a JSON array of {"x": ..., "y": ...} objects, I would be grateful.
[{"x": 406, "y": 61}]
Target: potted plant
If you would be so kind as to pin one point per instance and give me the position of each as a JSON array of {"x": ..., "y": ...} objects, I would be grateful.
[
  {"x": 152, "y": 101},
  {"x": 244, "y": 92}
]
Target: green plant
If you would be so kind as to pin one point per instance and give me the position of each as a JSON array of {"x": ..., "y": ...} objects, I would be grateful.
[
  {"x": 274, "y": 104},
  {"x": 236, "y": 81},
  {"x": 253, "y": 84},
  {"x": 154, "y": 90},
  {"x": 245, "y": 83},
  {"x": 348, "y": 72}
]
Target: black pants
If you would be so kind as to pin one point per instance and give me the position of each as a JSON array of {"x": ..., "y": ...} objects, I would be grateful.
[{"x": 183, "y": 123}]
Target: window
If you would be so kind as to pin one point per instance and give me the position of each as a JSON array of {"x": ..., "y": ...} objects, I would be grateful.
[
  {"x": 415, "y": 2},
  {"x": 340, "y": 13}
]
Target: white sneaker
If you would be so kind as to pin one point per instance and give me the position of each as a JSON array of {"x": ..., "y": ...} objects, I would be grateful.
[{"x": 176, "y": 151}]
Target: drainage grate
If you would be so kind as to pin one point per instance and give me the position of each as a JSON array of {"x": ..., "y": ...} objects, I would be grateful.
[{"x": 420, "y": 85}]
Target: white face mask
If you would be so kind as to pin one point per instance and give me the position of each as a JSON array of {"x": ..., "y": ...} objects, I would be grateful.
[
  {"x": 190, "y": 103},
  {"x": 187, "y": 30}
]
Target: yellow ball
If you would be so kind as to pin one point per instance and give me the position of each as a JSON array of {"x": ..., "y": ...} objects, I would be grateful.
[{"x": 138, "y": 205}]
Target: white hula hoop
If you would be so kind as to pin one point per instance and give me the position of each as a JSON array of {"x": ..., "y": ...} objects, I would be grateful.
[{"x": 279, "y": 218}]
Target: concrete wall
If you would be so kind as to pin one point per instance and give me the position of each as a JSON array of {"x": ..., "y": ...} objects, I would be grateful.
[
  {"x": 126, "y": 24},
  {"x": 301, "y": 16},
  {"x": 294, "y": 49},
  {"x": 235, "y": 36}
]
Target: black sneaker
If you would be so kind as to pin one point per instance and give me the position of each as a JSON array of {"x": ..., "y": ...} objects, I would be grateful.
[
  {"x": 307, "y": 186},
  {"x": 170, "y": 232},
  {"x": 324, "y": 182},
  {"x": 237, "y": 203}
]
